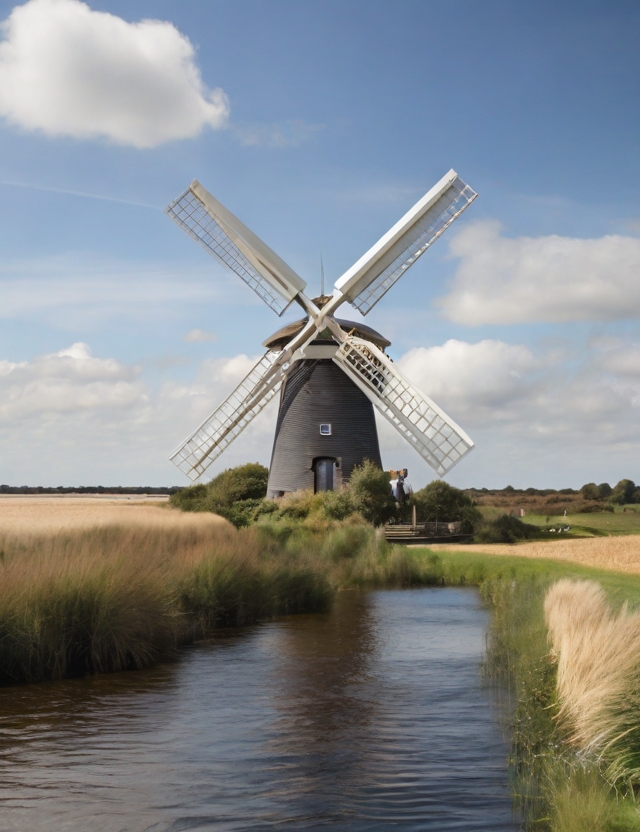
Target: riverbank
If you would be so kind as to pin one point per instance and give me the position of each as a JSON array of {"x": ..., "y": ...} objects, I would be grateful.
[
  {"x": 564, "y": 641},
  {"x": 126, "y": 593}
]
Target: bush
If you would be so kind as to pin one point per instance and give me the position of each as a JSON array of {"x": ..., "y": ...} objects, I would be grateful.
[
  {"x": 505, "y": 529},
  {"x": 440, "y": 501},
  {"x": 370, "y": 492},
  {"x": 235, "y": 494},
  {"x": 302, "y": 505}
]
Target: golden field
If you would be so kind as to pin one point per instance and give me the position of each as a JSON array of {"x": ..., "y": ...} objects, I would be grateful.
[
  {"x": 619, "y": 554},
  {"x": 42, "y": 514}
]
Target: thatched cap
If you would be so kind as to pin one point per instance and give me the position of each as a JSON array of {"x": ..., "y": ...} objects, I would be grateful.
[{"x": 281, "y": 338}]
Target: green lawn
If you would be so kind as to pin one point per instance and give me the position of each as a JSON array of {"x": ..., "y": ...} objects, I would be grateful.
[
  {"x": 465, "y": 567},
  {"x": 582, "y": 525},
  {"x": 591, "y": 525}
]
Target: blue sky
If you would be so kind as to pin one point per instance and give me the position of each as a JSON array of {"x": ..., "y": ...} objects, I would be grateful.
[{"x": 334, "y": 118}]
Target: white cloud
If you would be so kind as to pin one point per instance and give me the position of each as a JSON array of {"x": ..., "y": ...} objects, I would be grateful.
[
  {"x": 195, "y": 336},
  {"x": 69, "y": 381},
  {"x": 67, "y": 70},
  {"x": 622, "y": 360},
  {"x": 545, "y": 419},
  {"x": 471, "y": 377},
  {"x": 72, "y": 417},
  {"x": 555, "y": 279}
]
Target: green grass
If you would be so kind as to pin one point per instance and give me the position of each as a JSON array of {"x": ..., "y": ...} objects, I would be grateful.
[
  {"x": 556, "y": 790},
  {"x": 591, "y": 525}
]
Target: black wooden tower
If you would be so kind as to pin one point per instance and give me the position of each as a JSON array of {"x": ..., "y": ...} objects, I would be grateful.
[{"x": 326, "y": 424}]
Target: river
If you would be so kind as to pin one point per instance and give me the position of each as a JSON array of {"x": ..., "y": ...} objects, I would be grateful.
[{"x": 370, "y": 717}]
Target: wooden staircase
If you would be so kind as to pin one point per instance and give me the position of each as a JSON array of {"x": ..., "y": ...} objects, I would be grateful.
[{"x": 423, "y": 533}]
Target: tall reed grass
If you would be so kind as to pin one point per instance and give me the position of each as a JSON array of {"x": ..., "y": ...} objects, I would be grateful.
[
  {"x": 559, "y": 786},
  {"x": 122, "y": 597},
  {"x": 125, "y": 596},
  {"x": 598, "y": 678}
]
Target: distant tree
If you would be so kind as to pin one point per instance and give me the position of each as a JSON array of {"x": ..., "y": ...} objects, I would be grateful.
[
  {"x": 625, "y": 492},
  {"x": 604, "y": 490},
  {"x": 441, "y": 501},
  {"x": 590, "y": 491}
]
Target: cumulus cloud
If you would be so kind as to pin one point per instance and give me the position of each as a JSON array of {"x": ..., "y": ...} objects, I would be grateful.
[
  {"x": 537, "y": 417},
  {"x": 492, "y": 384},
  {"x": 195, "y": 336},
  {"x": 71, "y": 380},
  {"x": 73, "y": 417},
  {"x": 67, "y": 70},
  {"x": 553, "y": 279},
  {"x": 70, "y": 417},
  {"x": 471, "y": 377}
]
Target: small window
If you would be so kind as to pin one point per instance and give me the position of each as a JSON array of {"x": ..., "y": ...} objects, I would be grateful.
[{"x": 325, "y": 430}]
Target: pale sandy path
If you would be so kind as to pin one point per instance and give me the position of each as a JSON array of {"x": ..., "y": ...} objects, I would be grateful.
[
  {"x": 50, "y": 513},
  {"x": 621, "y": 554}
]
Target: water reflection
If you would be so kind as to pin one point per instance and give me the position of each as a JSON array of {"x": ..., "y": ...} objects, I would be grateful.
[{"x": 364, "y": 718}]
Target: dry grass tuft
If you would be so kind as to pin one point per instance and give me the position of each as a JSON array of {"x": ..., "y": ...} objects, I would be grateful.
[{"x": 598, "y": 683}]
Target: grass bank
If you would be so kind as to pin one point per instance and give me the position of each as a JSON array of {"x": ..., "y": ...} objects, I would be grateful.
[
  {"x": 126, "y": 596},
  {"x": 572, "y": 678}
]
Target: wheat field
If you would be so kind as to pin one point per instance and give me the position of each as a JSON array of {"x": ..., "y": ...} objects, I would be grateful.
[
  {"x": 40, "y": 515},
  {"x": 619, "y": 554}
]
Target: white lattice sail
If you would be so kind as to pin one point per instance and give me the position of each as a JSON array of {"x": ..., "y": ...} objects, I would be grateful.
[
  {"x": 226, "y": 238},
  {"x": 375, "y": 273},
  {"x": 227, "y": 422},
  {"x": 436, "y": 437}
]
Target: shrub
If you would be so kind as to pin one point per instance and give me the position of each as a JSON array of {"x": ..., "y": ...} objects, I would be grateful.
[
  {"x": 302, "y": 505},
  {"x": 370, "y": 492},
  {"x": 442, "y": 502},
  {"x": 235, "y": 494},
  {"x": 505, "y": 529}
]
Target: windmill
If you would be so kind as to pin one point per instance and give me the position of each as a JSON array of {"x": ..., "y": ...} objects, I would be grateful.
[{"x": 331, "y": 373}]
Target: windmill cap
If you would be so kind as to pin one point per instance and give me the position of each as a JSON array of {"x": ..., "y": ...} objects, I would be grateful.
[{"x": 281, "y": 338}]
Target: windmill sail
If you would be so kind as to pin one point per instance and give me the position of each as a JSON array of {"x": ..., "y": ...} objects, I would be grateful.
[
  {"x": 377, "y": 270},
  {"x": 219, "y": 430},
  {"x": 435, "y": 436},
  {"x": 226, "y": 238}
]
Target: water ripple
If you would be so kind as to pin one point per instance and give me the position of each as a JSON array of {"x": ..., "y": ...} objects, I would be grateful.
[{"x": 368, "y": 718}]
